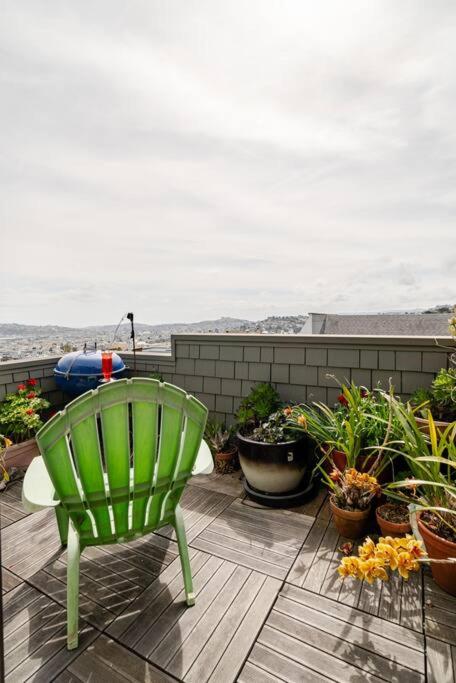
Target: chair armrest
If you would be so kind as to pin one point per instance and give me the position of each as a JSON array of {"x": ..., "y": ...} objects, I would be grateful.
[
  {"x": 204, "y": 463},
  {"x": 38, "y": 491}
]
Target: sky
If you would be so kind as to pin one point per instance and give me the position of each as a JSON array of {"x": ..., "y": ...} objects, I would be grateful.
[{"x": 188, "y": 160}]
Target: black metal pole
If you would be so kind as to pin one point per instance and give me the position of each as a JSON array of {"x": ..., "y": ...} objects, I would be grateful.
[{"x": 130, "y": 317}]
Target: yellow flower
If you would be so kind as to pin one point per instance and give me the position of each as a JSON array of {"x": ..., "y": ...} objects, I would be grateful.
[
  {"x": 373, "y": 569},
  {"x": 415, "y": 547},
  {"x": 350, "y": 566},
  {"x": 302, "y": 421},
  {"x": 405, "y": 564},
  {"x": 386, "y": 554},
  {"x": 367, "y": 550}
]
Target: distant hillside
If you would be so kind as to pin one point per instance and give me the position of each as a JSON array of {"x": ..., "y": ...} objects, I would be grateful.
[{"x": 223, "y": 324}]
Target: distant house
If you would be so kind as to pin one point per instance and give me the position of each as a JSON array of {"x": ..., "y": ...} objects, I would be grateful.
[{"x": 400, "y": 324}]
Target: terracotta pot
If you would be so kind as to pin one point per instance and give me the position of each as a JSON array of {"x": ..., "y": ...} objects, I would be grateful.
[
  {"x": 350, "y": 524},
  {"x": 439, "y": 548},
  {"x": 21, "y": 454},
  {"x": 423, "y": 424},
  {"x": 388, "y": 528},
  {"x": 224, "y": 461},
  {"x": 365, "y": 462}
]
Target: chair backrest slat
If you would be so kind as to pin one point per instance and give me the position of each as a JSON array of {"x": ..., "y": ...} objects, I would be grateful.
[
  {"x": 88, "y": 460},
  {"x": 116, "y": 444},
  {"x": 145, "y": 412},
  {"x": 125, "y": 478}
]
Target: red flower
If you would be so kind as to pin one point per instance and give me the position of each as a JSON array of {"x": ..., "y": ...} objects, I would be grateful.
[
  {"x": 30, "y": 411},
  {"x": 363, "y": 393},
  {"x": 32, "y": 382},
  {"x": 21, "y": 387},
  {"x": 342, "y": 400},
  {"x": 31, "y": 394}
]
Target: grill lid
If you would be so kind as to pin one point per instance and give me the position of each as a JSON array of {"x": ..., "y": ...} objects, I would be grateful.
[{"x": 86, "y": 364}]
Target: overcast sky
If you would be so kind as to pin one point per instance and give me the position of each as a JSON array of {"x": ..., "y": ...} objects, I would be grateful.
[{"x": 187, "y": 160}]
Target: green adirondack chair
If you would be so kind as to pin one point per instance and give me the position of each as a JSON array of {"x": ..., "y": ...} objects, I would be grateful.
[{"x": 114, "y": 465}]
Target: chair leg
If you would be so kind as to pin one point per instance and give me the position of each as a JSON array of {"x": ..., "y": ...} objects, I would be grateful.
[
  {"x": 62, "y": 523},
  {"x": 73, "y": 588},
  {"x": 183, "y": 553}
]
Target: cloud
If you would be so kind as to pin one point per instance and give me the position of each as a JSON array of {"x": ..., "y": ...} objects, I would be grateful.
[{"x": 189, "y": 160}]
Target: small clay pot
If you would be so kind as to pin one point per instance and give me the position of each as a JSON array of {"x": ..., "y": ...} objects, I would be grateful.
[
  {"x": 388, "y": 528},
  {"x": 350, "y": 523},
  {"x": 439, "y": 549},
  {"x": 224, "y": 461}
]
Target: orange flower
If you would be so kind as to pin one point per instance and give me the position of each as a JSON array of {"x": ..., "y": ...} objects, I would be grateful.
[
  {"x": 373, "y": 569},
  {"x": 287, "y": 411},
  {"x": 367, "y": 550},
  {"x": 387, "y": 555},
  {"x": 350, "y": 566},
  {"x": 414, "y": 547},
  {"x": 302, "y": 421},
  {"x": 406, "y": 563}
]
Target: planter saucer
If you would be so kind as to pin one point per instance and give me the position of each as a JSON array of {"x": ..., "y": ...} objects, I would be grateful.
[{"x": 281, "y": 500}]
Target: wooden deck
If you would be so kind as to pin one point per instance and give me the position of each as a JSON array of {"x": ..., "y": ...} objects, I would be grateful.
[{"x": 269, "y": 604}]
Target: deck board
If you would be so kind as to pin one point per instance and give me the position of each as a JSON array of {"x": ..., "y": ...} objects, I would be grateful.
[
  {"x": 11, "y": 509},
  {"x": 315, "y": 569},
  {"x": 108, "y": 587},
  {"x": 309, "y": 635},
  {"x": 209, "y": 641},
  {"x": 35, "y": 636},
  {"x": 200, "y": 508},
  {"x": 264, "y": 541},
  {"x": 107, "y": 660},
  {"x": 270, "y": 606}
]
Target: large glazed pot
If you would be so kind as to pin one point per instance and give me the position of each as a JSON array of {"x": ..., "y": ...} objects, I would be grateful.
[
  {"x": 439, "y": 549},
  {"x": 275, "y": 468}
]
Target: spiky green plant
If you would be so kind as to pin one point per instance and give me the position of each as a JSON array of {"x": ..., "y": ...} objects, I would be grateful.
[{"x": 432, "y": 462}]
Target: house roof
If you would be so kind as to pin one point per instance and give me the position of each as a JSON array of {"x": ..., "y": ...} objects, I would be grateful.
[{"x": 418, "y": 324}]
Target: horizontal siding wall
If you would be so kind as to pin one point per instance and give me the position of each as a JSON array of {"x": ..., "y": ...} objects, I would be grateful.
[
  {"x": 220, "y": 369},
  {"x": 13, "y": 373}
]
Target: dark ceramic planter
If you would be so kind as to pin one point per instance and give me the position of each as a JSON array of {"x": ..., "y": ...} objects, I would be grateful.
[{"x": 275, "y": 468}]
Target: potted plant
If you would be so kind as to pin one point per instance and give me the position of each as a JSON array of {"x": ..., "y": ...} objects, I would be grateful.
[
  {"x": 274, "y": 457},
  {"x": 354, "y": 433},
  {"x": 393, "y": 519},
  {"x": 20, "y": 419},
  {"x": 431, "y": 490},
  {"x": 440, "y": 400},
  {"x": 351, "y": 500},
  {"x": 224, "y": 452}
]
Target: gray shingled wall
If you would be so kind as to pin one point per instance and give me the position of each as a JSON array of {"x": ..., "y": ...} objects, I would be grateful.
[{"x": 221, "y": 369}]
